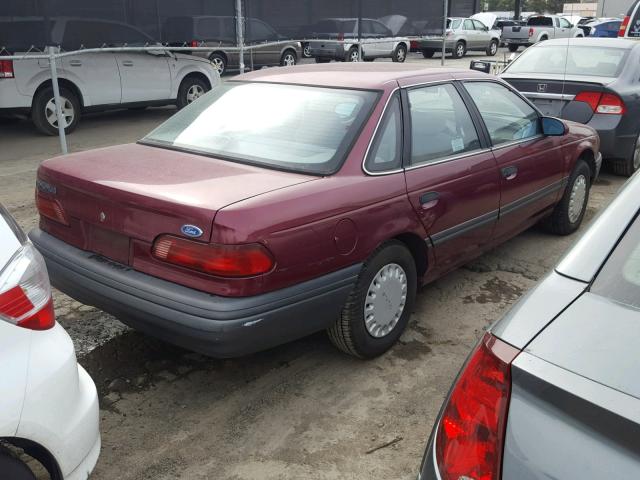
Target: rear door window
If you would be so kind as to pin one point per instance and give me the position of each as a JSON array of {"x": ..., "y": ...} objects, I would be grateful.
[
  {"x": 619, "y": 279},
  {"x": 440, "y": 124},
  {"x": 468, "y": 25}
]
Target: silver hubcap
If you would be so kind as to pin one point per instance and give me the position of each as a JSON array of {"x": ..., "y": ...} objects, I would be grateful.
[
  {"x": 68, "y": 112},
  {"x": 307, "y": 51},
  {"x": 401, "y": 54},
  {"x": 385, "y": 301},
  {"x": 194, "y": 92},
  {"x": 289, "y": 60},
  {"x": 354, "y": 56},
  {"x": 494, "y": 48},
  {"x": 576, "y": 201},
  {"x": 460, "y": 50},
  {"x": 636, "y": 156},
  {"x": 218, "y": 63}
]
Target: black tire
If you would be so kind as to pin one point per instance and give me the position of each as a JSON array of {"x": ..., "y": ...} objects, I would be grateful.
[
  {"x": 219, "y": 62},
  {"x": 306, "y": 50},
  {"x": 459, "y": 50},
  {"x": 628, "y": 166},
  {"x": 322, "y": 60},
  {"x": 492, "y": 49},
  {"x": 352, "y": 55},
  {"x": 399, "y": 54},
  {"x": 428, "y": 53},
  {"x": 513, "y": 48},
  {"x": 42, "y": 108},
  {"x": 350, "y": 333},
  {"x": 13, "y": 468},
  {"x": 287, "y": 57},
  {"x": 560, "y": 221},
  {"x": 542, "y": 39},
  {"x": 190, "y": 90}
]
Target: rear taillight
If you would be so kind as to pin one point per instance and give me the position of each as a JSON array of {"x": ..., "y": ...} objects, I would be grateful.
[
  {"x": 623, "y": 26},
  {"x": 25, "y": 293},
  {"x": 470, "y": 434},
  {"x": 413, "y": 44},
  {"x": 531, "y": 31},
  {"x": 606, "y": 103},
  {"x": 193, "y": 43},
  {"x": 6, "y": 69},
  {"x": 51, "y": 208},
  {"x": 220, "y": 260}
]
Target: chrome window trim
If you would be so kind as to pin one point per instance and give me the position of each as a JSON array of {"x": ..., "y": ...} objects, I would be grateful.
[
  {"x": 515, "y": 142},
  {"x": 449, "y": 159},
  {"x": 373, "y": 137}
]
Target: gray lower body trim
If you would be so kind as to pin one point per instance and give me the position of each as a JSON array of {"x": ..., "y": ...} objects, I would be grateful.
[
  {"x": 533, "y": 197},
  {"x": 210, "y": 324}
]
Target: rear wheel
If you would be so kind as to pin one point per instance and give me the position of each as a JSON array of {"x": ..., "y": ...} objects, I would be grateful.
[
  {"x": 428, "y": 53},
  {"x": 288, "y": 59},
  {"x": 44, "y": 115},
  {"x": 568, "y": 214},
  {"x": 513, "y": 48},
  {"x": 13, "y": 468},
  {"x": 378, "y": 309},
  {"x": 219, "y": 62},
  {"x": 306, "y": 50},
  {"x": 353, "y": 55},
  {"x": 191, "y": 89},
  {"x": 492, "y": 49},
  {"x": 628, "y": 166},
  {"x": 459, "y": 50},
  {"x": 399, "y": 54}
]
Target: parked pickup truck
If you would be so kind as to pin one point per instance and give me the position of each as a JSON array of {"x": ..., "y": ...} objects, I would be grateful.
[{"x": 538, "y": 29}]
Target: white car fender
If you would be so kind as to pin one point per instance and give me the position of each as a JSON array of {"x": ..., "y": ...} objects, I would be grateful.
[{"x": 181, "y": 68}]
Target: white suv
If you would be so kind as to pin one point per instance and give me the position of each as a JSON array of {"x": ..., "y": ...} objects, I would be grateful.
[
  {"x": 95, "y": 81},
  {"x": 48, "y": 403}
]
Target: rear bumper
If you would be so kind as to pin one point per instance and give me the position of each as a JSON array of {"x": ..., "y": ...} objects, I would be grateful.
[
  {"x": 213, "y": 325},
  {"x": 617, "y": 135},
  {"x": 517, "y": 41}
]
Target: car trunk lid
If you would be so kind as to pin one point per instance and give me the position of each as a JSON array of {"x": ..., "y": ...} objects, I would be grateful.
[
  {"x": 137, "y": 192},
  {"x": 554, "y": 94},
  {"x": 597, "y": 339}
]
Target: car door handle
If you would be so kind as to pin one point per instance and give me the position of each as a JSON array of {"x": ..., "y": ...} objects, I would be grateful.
[
  {"x": 429, "y": 200},
  {"x": 75, "y": 63},
  {"x": 509, "y": 173},
  {"x": 127, "y": 63}
]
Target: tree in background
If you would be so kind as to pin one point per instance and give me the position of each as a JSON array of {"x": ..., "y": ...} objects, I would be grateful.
[{"x": 540, "y": 6}]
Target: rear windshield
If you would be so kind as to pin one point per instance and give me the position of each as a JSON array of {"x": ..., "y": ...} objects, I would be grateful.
[
  {"x": 20, "y": 35},
  {"x": 293, "y": 127},
  {"x": 574, "y": 60},
  {"x": 619, "y": 279},
  {"x": 540, "y": 22}
]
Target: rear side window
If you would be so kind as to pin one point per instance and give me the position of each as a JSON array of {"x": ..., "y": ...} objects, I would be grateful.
[
  {"x": 619, "y": 279},
  {"x": 440, "y": 124},
  {"x": 386, "y": 151},
  {"x": 540, "y": 22},
  {"x": 468, "y": 25},
  {"x": 507, "y": 117}
]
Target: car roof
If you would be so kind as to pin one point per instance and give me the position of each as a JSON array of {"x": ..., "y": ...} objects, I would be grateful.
[
  {"x": 592, "y": 42},
  {"x": 368, "y": 76}
]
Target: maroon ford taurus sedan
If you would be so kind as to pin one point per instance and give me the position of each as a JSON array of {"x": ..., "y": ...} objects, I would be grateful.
[{"x": 294, "y": 200}]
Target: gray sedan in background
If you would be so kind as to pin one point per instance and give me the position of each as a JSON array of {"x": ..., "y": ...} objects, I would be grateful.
[
  {"x": 463, "y": 34},
  {"x": 553, "y": 389}
]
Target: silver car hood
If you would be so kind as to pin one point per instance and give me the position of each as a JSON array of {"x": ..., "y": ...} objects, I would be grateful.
[{"x": 597, "y": 339}]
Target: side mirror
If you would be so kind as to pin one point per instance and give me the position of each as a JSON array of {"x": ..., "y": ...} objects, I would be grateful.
[{"x": 552, "y": 127}]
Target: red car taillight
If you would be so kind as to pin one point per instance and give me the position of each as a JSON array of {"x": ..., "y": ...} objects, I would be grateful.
[
  {"x": 531, "y": 31},
  {"x": 606, "y": 103},
  {"x": 470, "y": 435},
  {"x": 25, "y": 293},
  {"x": 623, "y": 26},
  {"x": 193, "y": 43},
  {"x": 220, "y": 260},
  {"x": 51, "y": 208},
  {"x": 6, "y": 69}
]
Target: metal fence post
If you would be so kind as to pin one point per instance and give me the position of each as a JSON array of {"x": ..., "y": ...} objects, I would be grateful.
[
  {"x": 62, "y": 123},
  {"x": 444, "y": 30},
  {"x": 239, "y": 33}
]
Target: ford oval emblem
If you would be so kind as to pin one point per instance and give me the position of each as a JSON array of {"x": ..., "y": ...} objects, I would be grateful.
[{"x": 191, "y": 231}]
